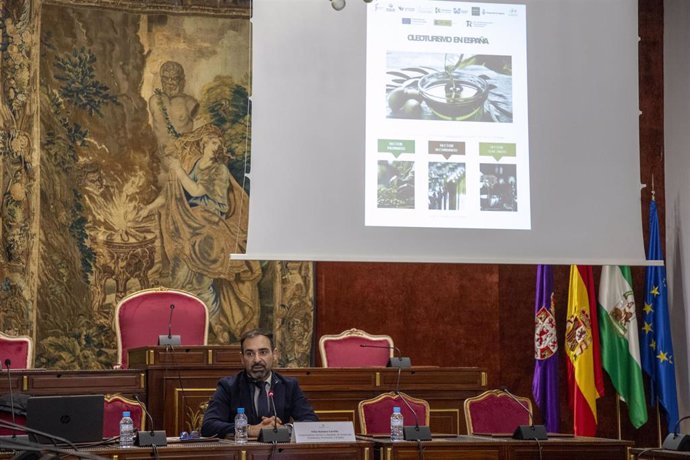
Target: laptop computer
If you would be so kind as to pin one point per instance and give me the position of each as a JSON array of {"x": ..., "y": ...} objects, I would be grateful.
[{"x": 76, "y": 418}]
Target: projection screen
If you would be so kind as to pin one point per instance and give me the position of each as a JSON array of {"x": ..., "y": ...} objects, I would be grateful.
[{"x": 326, "y": 130}]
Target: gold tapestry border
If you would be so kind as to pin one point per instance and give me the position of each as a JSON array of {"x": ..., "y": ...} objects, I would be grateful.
[{"x": 240, "y": 9}]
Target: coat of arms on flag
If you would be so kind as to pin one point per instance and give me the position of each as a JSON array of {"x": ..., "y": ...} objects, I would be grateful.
[
  {"x": 578, "y": 333},
  {"x": 545, "y": 339},
  {"x": 623, "y": 312}
]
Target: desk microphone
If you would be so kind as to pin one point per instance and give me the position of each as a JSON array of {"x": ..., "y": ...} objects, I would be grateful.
[
  {"x": 416, "y": 432},
  {"x": 172, "y": 309},
  {"x": 147, "y": 438},
  {"x": 397, "y": 361},
  {"x": 277, "y": 433},
  {"x": 536, "y": 432},
  {"x": 169, "y": 339},
  {"x": 676, "y": 440},
  {"x": 273, "y": 408},
  {"x": 8, "y": 364}
]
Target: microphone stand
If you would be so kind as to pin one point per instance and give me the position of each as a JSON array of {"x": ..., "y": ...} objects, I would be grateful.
[
  {"x": 170, "y": 339},
  {"x": 151, "y": 437},
  {"x": 416, "y": 432},
  {"x": 401, "y": 362},
  {"x": 277, "y": 433},
  {"x": 535, "y": 432},
  {"x": 677, "y": 441}
]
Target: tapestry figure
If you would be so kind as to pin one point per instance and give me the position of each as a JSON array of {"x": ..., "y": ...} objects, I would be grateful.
[
  {"x": 202, "y": 221},
  {"x": 172, "y": 111}
]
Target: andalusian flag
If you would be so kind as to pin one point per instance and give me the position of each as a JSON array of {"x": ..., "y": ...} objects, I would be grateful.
[
  {"x": 585, "y": 378},
  {"x": 656, "y": 349},
  {"x": 620, "y": 349}
]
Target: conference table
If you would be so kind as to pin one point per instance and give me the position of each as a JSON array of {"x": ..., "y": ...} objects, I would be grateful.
[
  {"x": 228, "y": 450},
  {"x": 371, "y": 448},
  {"x": 557, "y": 447}
]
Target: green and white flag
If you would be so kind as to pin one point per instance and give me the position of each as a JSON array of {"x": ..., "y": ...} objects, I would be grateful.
[{"x": 620, "y": 349}]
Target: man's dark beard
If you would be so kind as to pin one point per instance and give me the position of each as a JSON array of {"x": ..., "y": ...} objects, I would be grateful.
[{"x": 258, "y": 371}]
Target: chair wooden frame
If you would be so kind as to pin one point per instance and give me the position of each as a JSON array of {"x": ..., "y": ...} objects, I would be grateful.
[
  {"x": 391, "y": 395},
  {"x": 492, "y": 394},
  {"x": 347, "y": 334},
  {"x": 29, "y": 364},
  {"x": 118, "y": 332},
  {"x": 132, "y": 402}
]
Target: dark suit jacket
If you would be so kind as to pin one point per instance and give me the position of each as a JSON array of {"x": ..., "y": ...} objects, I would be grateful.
[{"x": 238, "y": 391}]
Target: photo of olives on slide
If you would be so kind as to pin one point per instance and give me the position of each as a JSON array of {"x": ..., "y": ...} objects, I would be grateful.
[
  {"x": 451, "y": 86},
  {"x": 396, "y": 184},
  {"x": 447, "y": 186},
  {"x": 498, "y": 190}
]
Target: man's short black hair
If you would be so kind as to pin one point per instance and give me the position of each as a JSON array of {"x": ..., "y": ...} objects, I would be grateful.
[{"x": 255, "y": 333}]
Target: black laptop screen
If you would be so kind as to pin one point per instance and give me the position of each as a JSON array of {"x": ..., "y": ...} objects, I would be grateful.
[{"x": 77, "y": 418}]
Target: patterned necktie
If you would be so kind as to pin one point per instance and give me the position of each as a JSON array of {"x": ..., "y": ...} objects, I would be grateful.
[{"x": 262, "y": 408}]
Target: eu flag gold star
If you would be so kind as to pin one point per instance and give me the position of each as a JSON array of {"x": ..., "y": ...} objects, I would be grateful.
[
  {"x": 648, "y": 308},
  {"x": 647, "y": 328},
  {"x": 662, "y": 356},
  {"x": 652, "y": 344},
  {"x": 655, "y": 291}
]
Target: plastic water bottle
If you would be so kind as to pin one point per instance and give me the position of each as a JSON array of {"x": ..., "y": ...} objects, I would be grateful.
[
  {"x": 396, "y": 425},
  {"x": 241, "y": 426},
  {"x": 126, "y": 430}
]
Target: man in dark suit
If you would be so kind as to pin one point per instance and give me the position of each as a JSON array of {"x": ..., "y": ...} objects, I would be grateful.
[{"x": 251, "y": 389}]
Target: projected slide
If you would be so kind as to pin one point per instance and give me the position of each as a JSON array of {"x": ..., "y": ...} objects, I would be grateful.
[{"x": 446, "y": 119}]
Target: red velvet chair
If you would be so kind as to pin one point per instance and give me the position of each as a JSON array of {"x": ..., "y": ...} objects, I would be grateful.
[
  {"x": 495, "y": 412},
  {"x": 18, "y": 349},
  {"x": 141, "y": 317},
  {"x": 113, "y": 407},
  {"x": 344, "y": 350},
  {"x": 375, "y": 414}
]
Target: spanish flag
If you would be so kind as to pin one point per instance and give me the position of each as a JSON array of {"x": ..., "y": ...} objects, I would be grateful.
[{"x": 585, "y": 377}]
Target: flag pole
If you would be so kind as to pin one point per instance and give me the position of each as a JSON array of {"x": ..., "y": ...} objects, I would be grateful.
[
  {"x": 658, "y": 414},
  {"x": 618, "y": 415},
  {"x": 658, "y": 423}
]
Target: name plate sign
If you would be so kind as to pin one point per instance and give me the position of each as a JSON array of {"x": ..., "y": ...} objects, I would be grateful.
[{"x": 316, "y": 432}]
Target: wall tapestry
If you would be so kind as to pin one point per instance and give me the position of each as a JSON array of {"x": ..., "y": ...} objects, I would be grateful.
[{"x": 143, "y": 144}]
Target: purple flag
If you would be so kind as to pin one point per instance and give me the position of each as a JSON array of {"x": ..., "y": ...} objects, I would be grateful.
[{"x": 545, "y": 383}]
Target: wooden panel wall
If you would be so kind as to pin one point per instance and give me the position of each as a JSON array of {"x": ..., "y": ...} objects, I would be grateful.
[{"x": 482, "y": 315}]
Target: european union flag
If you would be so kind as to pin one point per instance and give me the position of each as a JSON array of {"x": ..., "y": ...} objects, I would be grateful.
[{"x": 656, "y": 349}]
